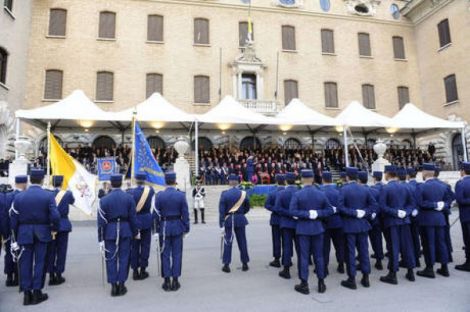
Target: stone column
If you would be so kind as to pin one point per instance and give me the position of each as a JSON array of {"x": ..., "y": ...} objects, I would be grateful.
[
  {"x": 181, "y": 167},
  {"x": 380, "y": 163}
]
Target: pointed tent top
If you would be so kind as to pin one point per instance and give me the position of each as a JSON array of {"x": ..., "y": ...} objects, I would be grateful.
[
  {"x": 356, "y": 115},
  {"x": 76, "y": 106},
  {"x": 155, "y": 108},
  {"x": 297, "y": 113},
  {"x": 411, "y": 117}
]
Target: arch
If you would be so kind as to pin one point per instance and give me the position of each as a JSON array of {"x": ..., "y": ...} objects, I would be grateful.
[
  {"x": 370, "y": 143},
  {"x": 42, "y": 146},
  {"x": 407, "y": 143},
  {"x": 332, "y": 143},
  {"x": 457, "y": 150},
  {"x": 203, "y": 143},
  {"x": 250, "y": 143},
  {"x": 104, "y": 141},
  {"x": 156, "y": 142},
  {"x": 292, "y": 144}
]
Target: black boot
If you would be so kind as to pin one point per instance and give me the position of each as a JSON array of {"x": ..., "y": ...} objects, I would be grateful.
[
  {"x": 245, "y": 267},
  {"x": 9, "y": 281},
  {"x": 302, "y": 288},
  {"x": 59, "y": 279},
  {"x": 136, "y": 275},
  {"x": 444, "y": 270},
  {"x": 166, "y": 284},
  {"x": 195, "y": 216},
  {"x": 427, "y": 272},
  {"x": 390, "y": 278},
  {"x": 321, "y": 286},
  {"x": 285, "y": 273},
  {"x": 175, "y": 285},
  {"x": 143, "y": 274},
  {"x": 122, "y": 289},
  {"x": 275, "y": 263},
  {"x": 202, "y": 217},
  {"x": 39, "y": 296},
  {"x": 378, "y": 265},
  {"x": 410, "y": 275},
  {"x": 340, "y": 268},
  {"x": 463, "y": 267},
  {"x": 28, "y": 298},
  {"x": 52, "y": 279},
  {"x": 226, "y": 268},
  {"x": 114, "y": 290},
  {"x": 349, "y": 283},
  {"x": 365, "y": 280}
]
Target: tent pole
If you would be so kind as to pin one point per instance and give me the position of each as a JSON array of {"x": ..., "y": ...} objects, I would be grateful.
[
  {"x": 345, "y": 139},
  {"x": 464, "y": 145},
  {"x": 17, "y": 135},
  {"x": 196, "y": 148}
]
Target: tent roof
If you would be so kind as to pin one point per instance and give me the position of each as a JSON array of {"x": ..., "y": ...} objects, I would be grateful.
[
  {"x": 297, "y": 113},
  {"x": 155, "y": 108},
  {"x": 356, "y": 115},
  {"x": 411, "y": 117}
]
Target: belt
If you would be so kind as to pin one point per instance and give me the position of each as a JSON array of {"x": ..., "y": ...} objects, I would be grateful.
[
  {"x": 34, "y": 223},
  {"x": 171, "y": 218},
  {"x": 118, "y": 220}
]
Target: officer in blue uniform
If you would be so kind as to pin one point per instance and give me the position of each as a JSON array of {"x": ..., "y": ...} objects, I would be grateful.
[
  {"x": 275, "y": 220},
  {"x": 287, "y": 225},
  {"x": 57, "y": 248},
  {"x": 414, "y": 226},
  {"x": 10, "y": 267},
  {"x": 375, "y": 234},
  {"x": 397, "y": 204},
  {"x": 447, "y": 212},
  {"x": 172, "y": 219},
  {"x": 333, "y": 225},
  {"x": 140, "y": 247},
  {"x": 116, "y": 227},
  {"x": 433, "y": 199},
  {"x": 32, "y": 214},
  {"x": 462, "y": 195},
  {"x": 233, "y": 206},
  {"x": 355, "y": 205},
  {"x": 309, "y": 205}
]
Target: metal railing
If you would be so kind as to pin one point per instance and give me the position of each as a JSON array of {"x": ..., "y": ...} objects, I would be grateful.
[{"x": 266, "y": 107}]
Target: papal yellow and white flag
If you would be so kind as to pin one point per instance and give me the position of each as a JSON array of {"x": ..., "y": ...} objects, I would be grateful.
[{"x": 76, "y": 178}]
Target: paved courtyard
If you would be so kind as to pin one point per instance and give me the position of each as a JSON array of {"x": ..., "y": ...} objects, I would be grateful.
[{"x": 206, "y": 288}]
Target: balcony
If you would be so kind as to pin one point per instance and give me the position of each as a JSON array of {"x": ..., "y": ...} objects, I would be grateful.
[{"x": 265, "y": 107}]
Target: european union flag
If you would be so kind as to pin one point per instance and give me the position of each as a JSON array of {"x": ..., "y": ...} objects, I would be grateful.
[{"x": 143, "y": 160}]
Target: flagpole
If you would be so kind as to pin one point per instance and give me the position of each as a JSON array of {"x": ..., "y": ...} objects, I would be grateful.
[
  {"x": 133, "y": 148},
  {"x": 48, "y": 165}
]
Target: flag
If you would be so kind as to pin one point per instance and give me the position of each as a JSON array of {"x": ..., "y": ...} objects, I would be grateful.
[
  {"x": 143, "y": 159},
  {"x": 106, "y": 167},
  {"x": 80, "y": 182}
]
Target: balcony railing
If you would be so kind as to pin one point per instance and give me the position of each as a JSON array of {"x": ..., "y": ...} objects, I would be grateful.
[{"x": 262, "y": 106}]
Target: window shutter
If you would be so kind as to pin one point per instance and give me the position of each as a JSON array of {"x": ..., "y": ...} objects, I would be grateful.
[
  {"x": 53, "y": 85},
  {"x": 201, "y": 89},
  {"x": 450, "y": 83},
  {"x": 154, "y": 84},
  {"x": 288, "y": 38},
  {"x": 57, "y": 22},
  {"x": 327, "y": 40},
  {"x": 398, "y": 48},
  {"x": 403, "y": 96},
  {"x": 105, "y": 86},
  {"x": 155, "y": 28},
  {"x": 201, "y": 31},
  {"x": 290, "y": 91},
  {"x": 368, "y": 96},
  {"x": 331, "y": 94},
  {"x": 107, "y": 25},
  {"x": 3, "y": 65},
  {"x": 242, "y": 33},
  {"x": 444, "y": 32},
  {"x": 364, "y": 44}
]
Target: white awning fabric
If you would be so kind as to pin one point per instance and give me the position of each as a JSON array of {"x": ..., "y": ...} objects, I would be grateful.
[
  {"x": 297, "y": 113},
  {"x": 411, "y": 117},
  {"x": 355, "y": 115}
]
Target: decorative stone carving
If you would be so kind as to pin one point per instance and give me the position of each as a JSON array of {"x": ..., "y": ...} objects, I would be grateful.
[
  {"x": 362, "y": 7},
  {"x": 381, "y": 162},
  {"x": 289, "y": 3}
]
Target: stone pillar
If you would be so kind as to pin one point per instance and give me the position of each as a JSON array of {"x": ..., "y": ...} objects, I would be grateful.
[
  {"x": 20, "y": 165},
  {"x": 381, "y": 162},
  {"x": 181, "y": 167}
]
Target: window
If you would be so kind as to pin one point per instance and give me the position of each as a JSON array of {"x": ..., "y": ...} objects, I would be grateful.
[
  {"x": 243, "y": 33},
  {"x": 444, "y": 33},
  {"x": 250, "y": 143},
  {"x": 451, "y": 88},
  {"x": 288, "y": 38},
  {"x": 154, "y": 83},
  {"x": 53, "y": 85},
  {"x": 403, "y": 96},
  {"x": 8, "y": 4},
  {"x": 156, "y": 142},
  {"x": 201, "y": 89},
  {"x": 57, "y": 22},
  {"x": 249, "y": 87},
  {"x": 368, "y": 96},
  {"x": 398, "y": 48},
  {"x": 107, "y": 25},
  {"x": 291, "y": 90},
  {"x": 325, "y": 5},
  {"x": 364, "y": 44},
  {"x": 3, "y": 65},
  {"x": 155, "y": 28},
  {"x": 331, "y": 94},
  {"x": 327, "y": 41},
  {"x": 292, "y": 144},
  {"x": 105, "y": 86},
  {"x": 201, "y": 31}
]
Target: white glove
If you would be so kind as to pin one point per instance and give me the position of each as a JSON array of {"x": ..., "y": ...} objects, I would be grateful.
[
  {"x": 138, "y": 236},
  {"x": 222, "y": 231},
  {"x": 313, "y": 214},
  {"x": 15, "y": 247},
  {"x": 440, "y": 206},
  {"x": 360, "y": 213},
  {"x": 156, "y": 237},
  {"x": 186, "y": 235},
  {"x": 373, "y": 215},
  {"x": 334, "y": 209},
  {"x": 101, "y": 244},
  {"x": 401, "y": 214},
  {"x": 414, "y": 213}
]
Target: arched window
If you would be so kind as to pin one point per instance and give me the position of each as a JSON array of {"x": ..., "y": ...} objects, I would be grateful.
[
  {"x": 104, "y": 141},
  {"x": 203, "y": 143},
  {"x": 332, "y": 143},
  {"x": 201, "y": 31},
  {"x": 57, "y": 22},
  {"x": 156, "y": 142},
  {"x": 3, "y": 65},
  {"x": 43, "y": 144},
  {"x": 250, "y": 143},
  {"x": 292, "y": 143},
  {"x": 407, "y": 143},
  {"x": 370, "y": 143}
]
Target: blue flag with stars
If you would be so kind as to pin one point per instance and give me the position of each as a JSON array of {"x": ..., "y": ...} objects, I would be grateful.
[{"x": 144, "y": 161}]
